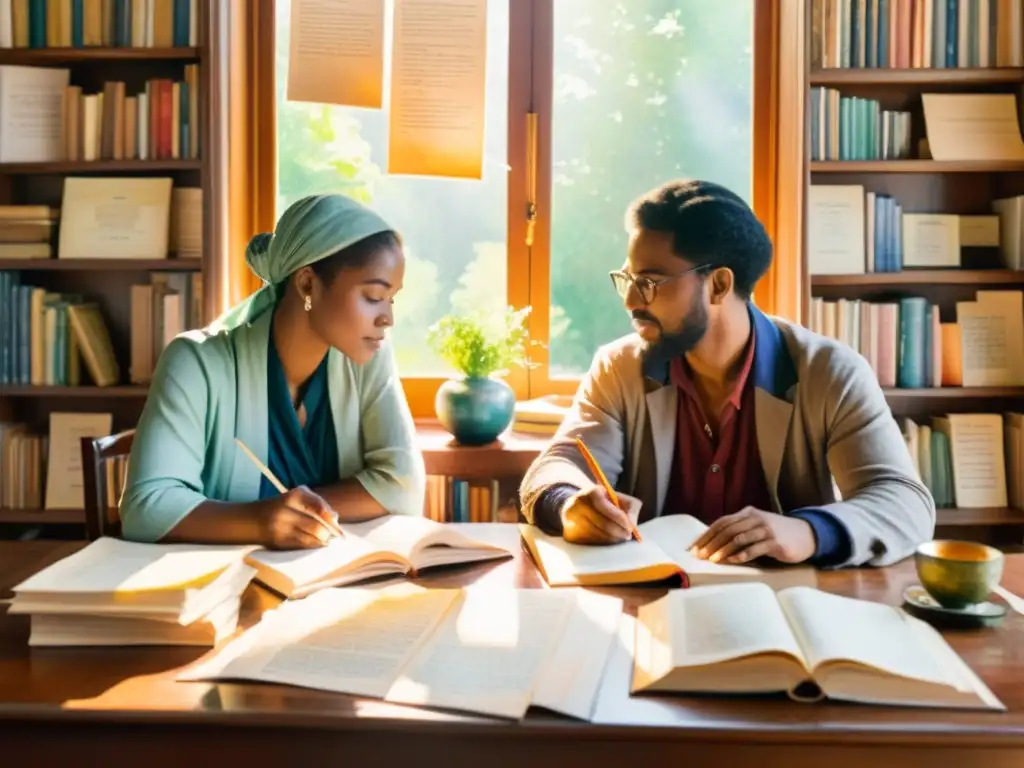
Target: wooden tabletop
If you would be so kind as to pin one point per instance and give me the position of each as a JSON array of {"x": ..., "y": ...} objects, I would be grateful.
[
  {"x": 116, "y": 706},
  {"x": 508, "y": 456}
]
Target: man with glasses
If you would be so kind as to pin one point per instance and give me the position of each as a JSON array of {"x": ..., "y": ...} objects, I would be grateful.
[{"x": 778, "y": 438}]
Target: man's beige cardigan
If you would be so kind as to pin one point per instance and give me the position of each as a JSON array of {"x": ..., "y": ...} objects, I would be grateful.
[{"x": 825, "y": 434}]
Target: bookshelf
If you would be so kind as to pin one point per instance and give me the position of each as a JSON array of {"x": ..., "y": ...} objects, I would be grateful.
[
  {"x": 844, "y": 56},
  {"x": 102, "y": 280}
]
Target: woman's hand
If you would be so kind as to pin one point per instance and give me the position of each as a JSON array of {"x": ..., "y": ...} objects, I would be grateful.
[{"x": 298, "y": 519}]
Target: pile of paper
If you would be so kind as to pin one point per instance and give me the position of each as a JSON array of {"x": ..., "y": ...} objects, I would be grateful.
[{"x": 116, "y": 592}]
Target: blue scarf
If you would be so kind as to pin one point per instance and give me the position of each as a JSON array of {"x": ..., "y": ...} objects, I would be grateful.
[{"x": 299, "y": 455}]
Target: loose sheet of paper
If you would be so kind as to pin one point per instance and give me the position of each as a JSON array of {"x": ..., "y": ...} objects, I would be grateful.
[
  {"x": 438, "y": 77},
  {"x": 336, "y": 52},
  {"x": 488, "y": 656},
  {"x": 353, "y": 640}
]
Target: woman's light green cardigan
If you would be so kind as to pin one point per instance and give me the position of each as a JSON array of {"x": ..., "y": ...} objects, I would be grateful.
[{"x": 211, "y": 387}]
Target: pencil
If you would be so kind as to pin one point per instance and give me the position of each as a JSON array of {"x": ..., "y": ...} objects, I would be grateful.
[
  {"x": 596, "y": 470},
  {"x": 265, "y": 470}
]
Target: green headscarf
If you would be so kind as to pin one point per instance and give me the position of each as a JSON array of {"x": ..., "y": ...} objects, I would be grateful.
[{"x": 312, "y": 229}]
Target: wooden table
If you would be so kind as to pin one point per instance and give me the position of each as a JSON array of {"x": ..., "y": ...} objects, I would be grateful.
[{"x": 121, "y": 706}]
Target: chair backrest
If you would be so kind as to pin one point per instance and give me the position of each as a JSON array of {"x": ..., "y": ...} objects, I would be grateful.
[{"x": 104, "y": 469}]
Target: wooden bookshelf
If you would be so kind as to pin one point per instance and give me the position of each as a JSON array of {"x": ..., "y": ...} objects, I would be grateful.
[
  {"x": 31, "y": 57},
  {"x": 919, "y": 184},
  {"x": 92, "y": 393},
  {"x": 108, "y": 282},
  {"x": 916, "y": 77},
  {"x": 915, "y": 166},
  {"x": 100, "y": 265},
  {"x": 100, "y": 166},
  {"x": 915, "y": 277}
]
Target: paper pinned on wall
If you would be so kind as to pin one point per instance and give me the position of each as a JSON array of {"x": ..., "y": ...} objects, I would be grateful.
[
  {"x": 438, "y": 79},
  {"x": 336, "y": 52}
]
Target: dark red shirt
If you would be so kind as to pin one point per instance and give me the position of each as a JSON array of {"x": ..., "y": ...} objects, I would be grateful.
[{"x": 716, "y": 472}]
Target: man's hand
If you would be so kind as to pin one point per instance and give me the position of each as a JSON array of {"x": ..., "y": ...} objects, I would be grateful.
[
  {"x": 752, "y": 533},
  {"x": 589, "y": 517}
]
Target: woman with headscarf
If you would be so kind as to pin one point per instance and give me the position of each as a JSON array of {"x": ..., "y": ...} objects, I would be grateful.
[{"x": 301, "y": 374}]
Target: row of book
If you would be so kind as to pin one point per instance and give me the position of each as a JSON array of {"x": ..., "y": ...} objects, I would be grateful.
[
  {"x": 98, "y": 23},
  {"x": 30, "y": 231},
  {"x": 46, "y": 335},
  {"x": 450, "y": 500},
  {"x": 969, "y": 460},
  {"x": 853, "y": 230},
  {"x": 855, "y": 128},
  {"x": 905, "y": 34},
  {"x": 43, "y": 469},
  {"x": 160, "y": 122},
  {"x": 908, "y": 346}
]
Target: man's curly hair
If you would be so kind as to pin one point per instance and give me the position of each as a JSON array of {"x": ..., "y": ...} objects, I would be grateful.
[{"x": 710, "y": 225}]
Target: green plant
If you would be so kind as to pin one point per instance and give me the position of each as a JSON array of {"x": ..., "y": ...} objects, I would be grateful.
[{"x": 477, "y": 346}]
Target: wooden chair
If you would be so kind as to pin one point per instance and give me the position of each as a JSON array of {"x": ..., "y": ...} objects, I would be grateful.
[{"x": 103, "y": 462}]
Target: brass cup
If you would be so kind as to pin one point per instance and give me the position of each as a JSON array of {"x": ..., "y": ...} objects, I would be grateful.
[{"x": 958, "y": 574}]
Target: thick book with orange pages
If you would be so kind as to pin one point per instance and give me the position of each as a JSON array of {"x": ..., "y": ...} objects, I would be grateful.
[{"x": 663, "y": 553}]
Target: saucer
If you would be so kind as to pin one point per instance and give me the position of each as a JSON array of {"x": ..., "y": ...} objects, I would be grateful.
[{"x": 919, "y": 603}]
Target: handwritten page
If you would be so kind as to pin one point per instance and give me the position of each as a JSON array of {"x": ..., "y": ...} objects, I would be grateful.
[
  {"x": 336, "y": 52},
  {"x": 31, "y": 106},
  {"x": 1009, "y": 305},
  {"x": 985, "y": 344},
  {"x": 972, "y": 126},
  {"x": 353, "y": 640},
  {"x": 979, "y": 468},
  {"x": 438, "y": 77},
  {"x": 488, "y": 656}
]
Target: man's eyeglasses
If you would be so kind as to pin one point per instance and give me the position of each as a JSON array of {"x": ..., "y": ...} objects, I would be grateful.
[{"x": 647, "y": 287}]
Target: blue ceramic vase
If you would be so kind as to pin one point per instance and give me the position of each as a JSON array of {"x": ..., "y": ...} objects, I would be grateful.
[{"x": 475, "y": 410}]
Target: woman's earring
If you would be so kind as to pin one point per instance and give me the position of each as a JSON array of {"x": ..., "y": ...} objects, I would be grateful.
[{"x": 308, "y": 304}]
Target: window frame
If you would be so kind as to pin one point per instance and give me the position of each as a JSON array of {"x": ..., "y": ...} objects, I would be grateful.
[{"x": 530, "y": 97}]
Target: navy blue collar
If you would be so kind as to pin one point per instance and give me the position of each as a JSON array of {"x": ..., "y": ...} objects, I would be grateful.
[{"x": 773, "y": 372}]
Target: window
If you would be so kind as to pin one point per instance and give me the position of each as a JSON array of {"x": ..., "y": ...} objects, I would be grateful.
[
  {"x": 627, "y": 95},
  {"x": 454, "y": 229},
  {"x": 643, "y": 92}
]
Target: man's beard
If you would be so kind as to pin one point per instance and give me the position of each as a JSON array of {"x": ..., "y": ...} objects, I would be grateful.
[{"x": 679, "y": 342}]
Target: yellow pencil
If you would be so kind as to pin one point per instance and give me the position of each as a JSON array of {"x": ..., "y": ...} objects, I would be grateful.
[
  {"x": 265, "y": 470},
  {"x": 596, "y": 470}
]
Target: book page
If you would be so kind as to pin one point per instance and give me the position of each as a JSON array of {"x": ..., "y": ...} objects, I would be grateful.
[
  {"x": 709, "y": 624},
  {"x": 336, "y": 52},
  {"x": 833, "y": 628},
  {"x": 570, "y": 680},
  {"x": 303, "y": 567},
  {"x": 565, "y": 563},
  {"x": 675, "y": 534},
  {"x": 116, "y": 566},
  {"x": 352, "y": 640},
  {"x": 488, "y": 655}
]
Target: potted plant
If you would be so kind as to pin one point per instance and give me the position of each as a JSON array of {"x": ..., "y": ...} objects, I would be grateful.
[{"x": 478, "y": 407}]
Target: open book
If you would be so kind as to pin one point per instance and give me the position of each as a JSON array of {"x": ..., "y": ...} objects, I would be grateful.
[
  {"x": 388, "y": 545},
  {"x": 489, "y": 651},
  {"x": 663, "y": 553},
  {"x": 746, "y": 638}
]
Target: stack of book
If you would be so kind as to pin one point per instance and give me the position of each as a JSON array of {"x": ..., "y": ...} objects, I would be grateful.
[
  {"x": 26, "y": 231},
  {"x": 542, "y": 415},
  {"x": 116, "y": 592}
]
